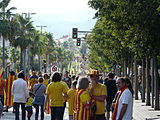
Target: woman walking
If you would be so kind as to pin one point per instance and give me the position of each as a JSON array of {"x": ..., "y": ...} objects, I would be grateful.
[
  {"x": 56, "y": 91},
  {"x": 39, "y": 91}
]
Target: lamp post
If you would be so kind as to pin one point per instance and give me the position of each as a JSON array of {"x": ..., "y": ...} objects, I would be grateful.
[
  {"x": 41, "y": 26},
  {"x": 39, "y": 57},
  {"x": 27, "y": 15}
]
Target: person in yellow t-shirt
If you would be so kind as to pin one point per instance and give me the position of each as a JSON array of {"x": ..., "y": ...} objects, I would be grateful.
[
  {"x": 71, "y": 97},
  {"x": 46, "y": 82},
  {"x": 46, "y": 79},
  {"x": 56, "y": 91},
  {"x": 28, "y": 105},
  {"x": 98, "y": 92}
]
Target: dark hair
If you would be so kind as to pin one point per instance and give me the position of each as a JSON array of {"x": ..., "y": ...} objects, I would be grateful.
[
  {"x": 56, "y": 77},
  {"x": 46, "y": 75},
  {"x": 12, "y": 73},
  {"x": 21, "y": 75},
  {"x": 122, "y": 79},
  {"x": 110, "y": 75},
  {"x": 106, "y": 79},
  {"x": 128, "y": 82},
  {"x": 73, "y": 77},
  {"x": 40, "y": 79}
]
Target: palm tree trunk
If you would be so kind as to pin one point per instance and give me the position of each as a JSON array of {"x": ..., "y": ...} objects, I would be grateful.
[
  {"x": 31, "y": 62},
  {"x": 28, "y": 62},
  {"x": 3, "y": 57},
  {"x": 24, "y": 62},
  {"x": 39, "y": 62},
  {"x": 21, "y": 59}
]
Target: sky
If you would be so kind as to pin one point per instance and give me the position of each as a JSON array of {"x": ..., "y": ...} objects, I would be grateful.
[{"x": 60, "y": 16}]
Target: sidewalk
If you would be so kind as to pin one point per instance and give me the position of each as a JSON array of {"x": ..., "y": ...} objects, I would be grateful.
[{"x": 143, "y": 112}]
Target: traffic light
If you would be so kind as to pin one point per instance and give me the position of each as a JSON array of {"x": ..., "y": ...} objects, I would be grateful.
[
  {"x": 74, "y": 33},
  {"x": 78, "y": 41},
  {"x": 119, "y": 66}
]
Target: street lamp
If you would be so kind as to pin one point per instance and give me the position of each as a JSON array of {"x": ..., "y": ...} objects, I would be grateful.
[
  {"x": 27, "y": 15},
  {"x": 41, "y": 26}
]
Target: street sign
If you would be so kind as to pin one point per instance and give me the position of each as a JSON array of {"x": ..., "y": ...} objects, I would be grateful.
[{"x": 54, "y": 68}]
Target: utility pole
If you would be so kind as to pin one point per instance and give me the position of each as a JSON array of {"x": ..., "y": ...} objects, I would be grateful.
[{"x": 39, "y": 57}]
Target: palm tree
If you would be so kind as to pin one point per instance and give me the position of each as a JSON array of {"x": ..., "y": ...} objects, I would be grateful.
[
  {"x": 20, "y": 37},
  {"x": 4, "y": 25}
]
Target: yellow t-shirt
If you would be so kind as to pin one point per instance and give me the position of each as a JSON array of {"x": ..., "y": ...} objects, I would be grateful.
[
  {"x": 100, "y": 89},
  {"x": 70, "y": 99},
  {"x": 29, "y": 101},
  {"x": 45, "y": 82},
  {"x": 55, "y": 92}
]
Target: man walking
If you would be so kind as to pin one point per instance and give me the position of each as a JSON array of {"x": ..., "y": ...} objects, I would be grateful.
[
  {"x": 20, "y": 95},
  {"x": 111, "y": 91}
]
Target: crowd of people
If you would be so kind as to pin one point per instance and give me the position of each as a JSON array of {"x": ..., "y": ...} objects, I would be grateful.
[{"x": 88, "y": 97}]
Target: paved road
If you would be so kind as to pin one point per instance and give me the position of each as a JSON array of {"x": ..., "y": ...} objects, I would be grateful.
[
  {"x": 140, "y": 112},
  {"x": 10, "y": 116}
]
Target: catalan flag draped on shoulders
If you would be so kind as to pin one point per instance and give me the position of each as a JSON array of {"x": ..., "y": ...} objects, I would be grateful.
[
  {"x": 2, "y": 85},
  {"x": 80, "y": 111},
  {"x": 9, "y": 82},
  {"x": 116, "y": 104},
  {"x": 33, "y": 80}
]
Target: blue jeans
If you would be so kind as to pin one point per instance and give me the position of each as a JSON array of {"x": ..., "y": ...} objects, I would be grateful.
[
  {"x": 17, "y": 105},
  {"x": 57, "y": 113},
  {"x": 37, "y": 111}
]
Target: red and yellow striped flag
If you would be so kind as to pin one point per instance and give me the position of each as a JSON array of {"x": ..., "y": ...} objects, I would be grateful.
[{"x": 1, "y": 74}]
